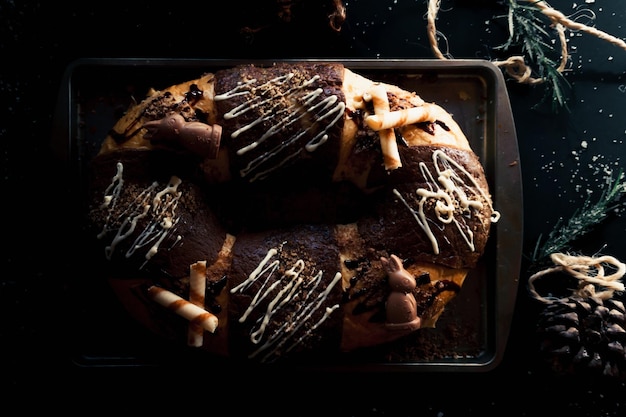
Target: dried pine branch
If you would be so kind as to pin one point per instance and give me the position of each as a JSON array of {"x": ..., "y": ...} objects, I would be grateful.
[
  {"x": 582, "y": 221},
  {"x": 527, "y": 30}
]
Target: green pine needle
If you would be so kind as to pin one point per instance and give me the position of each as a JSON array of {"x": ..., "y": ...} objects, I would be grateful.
[
  {"x": 526, "y": 24},
  {"x": 582, "y": 221},
  {"x": 558, "y": 85}
]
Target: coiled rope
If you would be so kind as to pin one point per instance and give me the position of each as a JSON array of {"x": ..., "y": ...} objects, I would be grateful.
[
  {"x": 589, "y": 270},
  {"x": 515, "y": 66}
]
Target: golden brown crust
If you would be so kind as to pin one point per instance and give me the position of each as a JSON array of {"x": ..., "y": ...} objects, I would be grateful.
[
  {"x": 382, "y": 202},
  {"x": 129, "y": 132}
]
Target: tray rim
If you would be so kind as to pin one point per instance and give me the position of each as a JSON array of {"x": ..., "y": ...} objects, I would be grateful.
[{"x": 507, "y": 194}]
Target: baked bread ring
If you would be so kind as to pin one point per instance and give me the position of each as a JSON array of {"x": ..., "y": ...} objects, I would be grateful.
[{"x": 287, "y": 211}]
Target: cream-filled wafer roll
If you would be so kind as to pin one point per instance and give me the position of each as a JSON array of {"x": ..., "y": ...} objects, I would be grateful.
[
  {"x": 397, "y": 118},
  {"x": 197, "y": 288},
  {"x": 282, "y": 222},
  {"x": 184, "y": 308},
  {"x": 391, "y": 158}
]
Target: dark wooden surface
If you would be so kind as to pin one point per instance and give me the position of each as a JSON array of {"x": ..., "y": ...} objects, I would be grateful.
[{"x": 562, "y": 155}]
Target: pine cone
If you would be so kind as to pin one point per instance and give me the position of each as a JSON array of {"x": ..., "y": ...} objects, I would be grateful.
[{"x": 584, "y": 335}]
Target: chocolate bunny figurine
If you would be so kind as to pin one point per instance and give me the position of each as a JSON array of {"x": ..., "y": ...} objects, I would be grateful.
[{"x": 401, "y": 306}]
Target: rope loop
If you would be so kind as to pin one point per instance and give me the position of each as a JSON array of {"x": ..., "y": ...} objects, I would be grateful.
[
  {"x": 590, "y": 271},
  {"x": 515, "y": 65}
]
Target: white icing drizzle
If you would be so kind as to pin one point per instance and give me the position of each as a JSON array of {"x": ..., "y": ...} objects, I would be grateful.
[
  {"x": 452, "y": 204},
  {"x": 292, "y": 287},
  {"x": 112, "y": 192},
  {"x": 287, "y": 330},
  {"x": 159, "y": 206},
  {"x": 328, "y": 311},
  {"x": 326, "y": 113},
  {"x": 242, "y": 89}
]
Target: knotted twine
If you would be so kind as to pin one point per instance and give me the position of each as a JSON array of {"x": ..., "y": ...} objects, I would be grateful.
[
  {"x": 589, "y": 270},
  {"x": 515, "y": 66}
]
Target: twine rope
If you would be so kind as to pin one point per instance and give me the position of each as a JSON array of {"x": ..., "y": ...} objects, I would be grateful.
[
  {"x": 589, "y": 270},
  {"x": 559, "y": 18},
  {"x": 515, "y": 66},
  {"x": 431, "y": 17}
]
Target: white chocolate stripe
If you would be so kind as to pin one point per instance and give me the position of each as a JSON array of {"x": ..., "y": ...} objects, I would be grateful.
[
  {"x": 287, "y": 330},
  {"x": 334, "y": 107},
  {"x": 256, "y": 100},
  {"x": 293, "y": 281},
  {"x": 237, "y": 91},
  {"x": 310, "y": 146},
  {"x": 126, "y": 229},
  {"x": 287, "y": 324},
  {"x": 327, "y": 312},
  {"x": 292, "y": 117},
  {"x": 114, "y": 189},
  {"x": 290, "y": 286},
  {"x": 257, "y": 272},
  {"x": 329, "y": 110},
  {"x": 451, "y": 202},
  {"x": 439, "y": 155},
  {"x": 159, "y": 207},
  {"x": 162, "y": 220}
]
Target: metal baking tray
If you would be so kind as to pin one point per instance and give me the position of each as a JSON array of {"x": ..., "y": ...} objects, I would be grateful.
[{"x": 472, "y": 332}]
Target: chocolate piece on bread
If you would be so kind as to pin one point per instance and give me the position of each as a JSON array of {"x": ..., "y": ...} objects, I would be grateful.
[
  {"x": 286, "y": 294},
  {"x": 437, "y": 193},
  {"x": 291, "y": 194},
  {"x": 150, "y": 214},
  {"x": 281, "y": 116}
]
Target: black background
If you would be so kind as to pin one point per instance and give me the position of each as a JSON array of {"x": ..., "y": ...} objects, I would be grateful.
[{"x": 563, "y": 155}]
